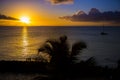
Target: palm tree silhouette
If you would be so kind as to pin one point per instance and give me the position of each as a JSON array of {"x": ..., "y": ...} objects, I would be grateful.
[
  {"x": 62, "y": 55},
  {"x": 60, "y": 51}
]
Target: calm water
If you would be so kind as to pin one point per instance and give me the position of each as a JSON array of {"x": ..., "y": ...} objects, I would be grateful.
[{"x": 17, "y": 43}]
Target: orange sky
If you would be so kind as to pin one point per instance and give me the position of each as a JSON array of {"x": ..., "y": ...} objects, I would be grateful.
[{"x": 43, "y": 13}]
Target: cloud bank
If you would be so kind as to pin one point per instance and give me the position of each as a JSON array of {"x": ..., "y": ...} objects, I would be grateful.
[
  {"x": 4, "y": 17},
  {"x": 94, "y": 15},
  {"x": 61, "y": 1}
]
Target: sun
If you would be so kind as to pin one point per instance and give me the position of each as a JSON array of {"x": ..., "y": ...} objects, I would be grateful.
[{"x": 25, "y": 19}]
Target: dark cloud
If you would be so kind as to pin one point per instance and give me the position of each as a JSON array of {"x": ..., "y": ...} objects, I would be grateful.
[
  {"x": 94, "y": 15},
  {"x": 61, "y": 1},
  {"x": 4, "y": 17}
]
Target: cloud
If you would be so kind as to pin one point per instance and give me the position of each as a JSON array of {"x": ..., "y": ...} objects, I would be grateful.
[
  {"x": 94, "y": 15},
  {"x": 4, "y": 17},
  {"x": 61, "y": 1}
]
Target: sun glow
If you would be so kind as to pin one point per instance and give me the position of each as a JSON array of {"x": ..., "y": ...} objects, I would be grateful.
[{"x": 25, "y": 19}]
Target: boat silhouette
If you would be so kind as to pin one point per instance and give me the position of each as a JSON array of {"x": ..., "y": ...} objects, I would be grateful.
[{"x": 103, "y": 31}]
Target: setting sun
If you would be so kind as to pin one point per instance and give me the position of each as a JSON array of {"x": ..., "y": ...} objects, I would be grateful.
[{"x": 25, "y": 19}]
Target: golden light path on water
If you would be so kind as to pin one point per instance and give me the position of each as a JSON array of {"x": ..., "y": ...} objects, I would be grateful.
[
  {"x": 25, "y": 41},
  {"x": 26, "y": 50}
]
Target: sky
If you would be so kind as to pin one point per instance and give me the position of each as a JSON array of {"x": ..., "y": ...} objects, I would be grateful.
[{"x": 49, "y": 12}]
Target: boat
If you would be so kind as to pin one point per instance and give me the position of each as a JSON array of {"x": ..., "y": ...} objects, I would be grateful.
[{"x": 103, "y": 31}]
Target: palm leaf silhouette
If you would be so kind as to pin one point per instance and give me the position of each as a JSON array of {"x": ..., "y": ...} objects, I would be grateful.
[{"x": 60, "y": 51}]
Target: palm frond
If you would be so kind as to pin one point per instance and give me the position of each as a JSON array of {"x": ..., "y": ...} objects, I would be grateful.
[{"x": 77, "y": 47}]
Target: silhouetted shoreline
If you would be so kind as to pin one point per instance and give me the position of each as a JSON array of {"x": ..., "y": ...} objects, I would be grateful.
[
  {"x": 80, "y": 70},
  {"x": 22, "y": 66}
]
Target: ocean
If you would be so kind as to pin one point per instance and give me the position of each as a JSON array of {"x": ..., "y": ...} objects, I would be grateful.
[{"x": 18, "y": 43}]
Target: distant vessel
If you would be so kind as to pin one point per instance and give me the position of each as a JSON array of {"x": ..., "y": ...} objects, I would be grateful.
[{"x": 103, "y": 31}]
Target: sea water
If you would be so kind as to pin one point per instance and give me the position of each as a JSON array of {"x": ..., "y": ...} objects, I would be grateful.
[{"x": 18, "y": 43}]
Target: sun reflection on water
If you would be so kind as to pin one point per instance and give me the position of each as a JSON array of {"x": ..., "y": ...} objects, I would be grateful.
[{"x": 25, "y": 41}]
